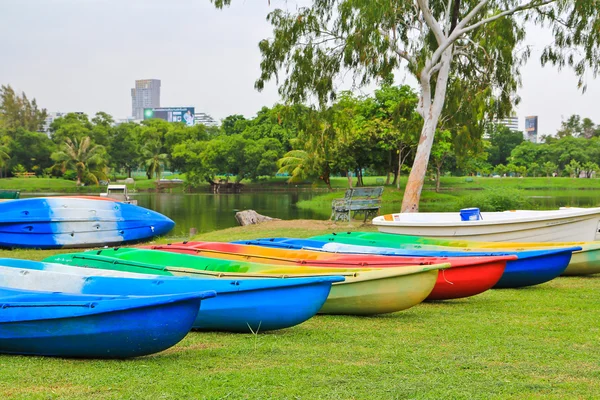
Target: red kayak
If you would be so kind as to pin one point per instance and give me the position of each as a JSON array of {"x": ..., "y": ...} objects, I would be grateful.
[{"x": 467, "y": 277}]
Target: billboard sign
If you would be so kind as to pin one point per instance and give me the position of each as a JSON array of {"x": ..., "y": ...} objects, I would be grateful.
[
  {"x": 171, "y": 114},
  {"x": 531, "y": 124}
]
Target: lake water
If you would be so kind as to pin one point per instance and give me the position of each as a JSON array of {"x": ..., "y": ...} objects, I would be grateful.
[{"x": 208, "y": 212}]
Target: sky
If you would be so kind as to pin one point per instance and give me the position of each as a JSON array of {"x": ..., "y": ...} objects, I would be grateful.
[{"x": 85, "y": 55}]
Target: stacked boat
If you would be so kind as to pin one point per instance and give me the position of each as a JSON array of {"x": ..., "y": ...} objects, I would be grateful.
[{"x": 131, "y": 301}]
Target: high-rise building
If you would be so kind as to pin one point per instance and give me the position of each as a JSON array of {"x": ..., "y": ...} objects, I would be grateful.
[
  {"x": 145, "y": 94},
  {"x": 511, "y": 123}
]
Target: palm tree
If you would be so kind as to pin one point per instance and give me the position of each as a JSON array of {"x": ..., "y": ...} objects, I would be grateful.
[
  {"x": 84, "y": 156},
  {"x": 294, "y": 163},
  {"x": 153, "y": 158}
]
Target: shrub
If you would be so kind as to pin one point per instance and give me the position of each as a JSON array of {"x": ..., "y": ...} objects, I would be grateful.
[
  {"x": 18, "y": 169},
  {"x": 70, "y": 175},
  {"x": 496, "y": 200}
]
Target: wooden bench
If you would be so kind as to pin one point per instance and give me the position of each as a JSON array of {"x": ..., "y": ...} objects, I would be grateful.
[
  {"x": 25, "y": 174},
  {"x": 362, "y": 200}
]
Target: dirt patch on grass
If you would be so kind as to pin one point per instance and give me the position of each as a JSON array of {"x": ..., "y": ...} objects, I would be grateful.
[
  {"x": 301, "y": 228},
  {"x": 49, "y": 391},
  {"x": 181, "y": 348}
]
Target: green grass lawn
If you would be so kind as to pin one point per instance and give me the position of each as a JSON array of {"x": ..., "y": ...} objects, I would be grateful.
[
  {"x": 539, "y": 342},
  {"x": 40, "y": 185},
  {"x": 54, "y": 185}
]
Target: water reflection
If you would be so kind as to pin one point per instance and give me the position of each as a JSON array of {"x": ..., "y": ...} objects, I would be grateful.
[{"x": 208, "y": 212}]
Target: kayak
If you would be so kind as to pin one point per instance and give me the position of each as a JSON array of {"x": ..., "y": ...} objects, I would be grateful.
[
  {"x": 364, "y": 291},
  {"x": 90, "y": 326},
  {"x": 248, "y": 305},
  {"x": 532, "y": 267},
  {"x": 62, "y": 222},
  {"x": 583, "y": 262},
  {"x": 467, "y": 277}
]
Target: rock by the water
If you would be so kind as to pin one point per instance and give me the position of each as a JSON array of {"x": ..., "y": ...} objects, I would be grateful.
[{"x": 251, "y": 217}]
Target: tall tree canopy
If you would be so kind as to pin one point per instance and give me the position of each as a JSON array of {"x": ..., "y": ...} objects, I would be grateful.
[
  {"x": 439, "y": 41},
  {"x": 17, "y": 111}
]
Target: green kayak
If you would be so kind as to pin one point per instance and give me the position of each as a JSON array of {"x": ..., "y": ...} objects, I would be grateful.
[{"x": 364, "y": 292}]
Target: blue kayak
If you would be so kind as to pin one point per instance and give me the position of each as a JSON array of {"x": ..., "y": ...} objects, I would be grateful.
[
  {"x": 88, "y": 326},
  {"x": 242, "y": 305},
  {"x": 55, "y": 222},
  {"x": 531, "y": 268}
]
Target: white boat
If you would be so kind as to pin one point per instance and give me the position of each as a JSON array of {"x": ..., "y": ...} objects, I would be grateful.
[
  {"x": 564, "y": 225},
  {"x": 118, "y": 193}
]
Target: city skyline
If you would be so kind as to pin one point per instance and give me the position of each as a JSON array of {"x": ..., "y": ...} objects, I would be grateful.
[{"x": 210, "y": 62}]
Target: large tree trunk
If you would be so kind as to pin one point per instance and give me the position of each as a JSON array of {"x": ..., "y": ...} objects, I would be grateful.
[
  {"x": 431, "y": 113},
  {"x": 438, "y": 170},
  {"x": 349, "y": 175}
]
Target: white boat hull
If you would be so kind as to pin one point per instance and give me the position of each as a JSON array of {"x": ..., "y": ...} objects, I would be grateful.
[{"x": 566, "y": 225}]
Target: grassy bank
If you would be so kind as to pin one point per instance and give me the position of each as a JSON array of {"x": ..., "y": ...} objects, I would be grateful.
[
  {"x": 55, "y": 185},
  {"x": 538, "y": 342},
  {"x": 489, "y": 194},
  {"x": 337, "y": 183}
]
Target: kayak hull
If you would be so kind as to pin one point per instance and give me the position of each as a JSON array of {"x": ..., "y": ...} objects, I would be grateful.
[
  {"x": 51, "y": 324},
  {"x": 252, "y": 305}
]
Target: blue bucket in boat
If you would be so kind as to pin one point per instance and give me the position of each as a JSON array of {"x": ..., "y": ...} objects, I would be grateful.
[{"x": 470, "y": 214}]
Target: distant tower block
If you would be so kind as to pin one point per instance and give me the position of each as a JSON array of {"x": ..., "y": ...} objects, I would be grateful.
[{"x": 145, "y": 94}]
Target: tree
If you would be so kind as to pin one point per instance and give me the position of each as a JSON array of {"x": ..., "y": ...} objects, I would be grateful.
[
  {"x": 189, "y": 157},
  {"x": 501, "y": 169},
  {"x": 437, "y": 41},
  {"x": 524, "y": 154},
  {"x": 233, "y": 125},
  {"x": 260, "y": 157},
  {"x": 87, "y": 158},
  {"x": 124, "y": 148},
  {"x": 442, "y": 149},
  {"x": 296, "y": 163},
  {"x": 74, "y": 126},
  {"x": 277, "y": 123},
  {"x": 588, "y": 128},
  {"x": 154, "y": 158},
  {"x": 18, "y": 112},
  {"x": 535, "y": 169},
  {"x": 502, "y": 141},
  {"x": 573, "y": 169},
  {"x": 397, "y": 124},
  {"x": 549, "y": 168},
  {"x": 570, "y": 127},
  {"x": 589, "y": 168},
  {"x": 32, "y": 150}
]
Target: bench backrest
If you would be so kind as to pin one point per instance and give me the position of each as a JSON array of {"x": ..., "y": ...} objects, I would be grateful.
[{"x": 363, "y": 193}]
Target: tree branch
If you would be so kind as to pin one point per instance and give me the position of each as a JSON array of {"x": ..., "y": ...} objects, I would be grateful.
[
  {"x": 505, "y": 13},
  {"x": 459, "y": 32},
  {"x": 431, "y": 21}
]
